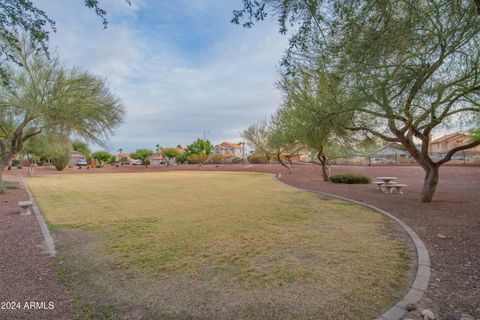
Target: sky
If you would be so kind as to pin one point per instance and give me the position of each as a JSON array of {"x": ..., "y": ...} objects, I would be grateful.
[{"x": 180, "y": 67}]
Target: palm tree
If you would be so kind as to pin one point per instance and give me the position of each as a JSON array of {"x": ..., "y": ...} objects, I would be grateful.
[{"x": 120, "y": 150}]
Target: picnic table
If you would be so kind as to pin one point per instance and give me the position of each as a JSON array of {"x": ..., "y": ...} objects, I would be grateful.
[
  {"x": 389, "y": 185},
  {"x": 386, "y": 180}
]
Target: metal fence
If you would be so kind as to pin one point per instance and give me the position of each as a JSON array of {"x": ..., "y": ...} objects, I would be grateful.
[{"x": 460, "y": 158}]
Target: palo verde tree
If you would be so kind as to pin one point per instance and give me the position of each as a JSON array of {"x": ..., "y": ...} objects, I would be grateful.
[
  {"x": 46, "y": 146},
  {"x": 44, "y": 96},
  {"x": 408, "y": 67},
  {"x": 273, "y": 139},
  {"x": 305, "y": 100},
  {"x": 141, "y": 154}
]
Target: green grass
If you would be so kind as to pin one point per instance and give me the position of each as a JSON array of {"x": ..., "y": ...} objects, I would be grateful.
[{"x": 256, "y": 244}]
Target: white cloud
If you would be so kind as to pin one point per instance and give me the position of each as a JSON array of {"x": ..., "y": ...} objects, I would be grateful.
[{"x": 172, "y": 94}]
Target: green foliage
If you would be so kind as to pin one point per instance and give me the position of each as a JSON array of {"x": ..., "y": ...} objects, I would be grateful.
[
  {"x": 257, "y": 158},
  {"x": 102, "y": 155},
  {"x": 81, "y": 147},
  {"x": 200, "y": 146},
  {"x": 170, "y": 154},
  {"x": 44, "y": 146},
  {"x": 61, "y": 158},
  {"x": 3, "y": 189},
  {"x": 350, "y": 178},
  {"x": 182, "y": 158},
  {"x": 19, "y": 166},
  {"x": 44, "y": 97},
  {"x": 15, "y": 162},
  {"x": 141, "y": 154},
  {"x": 196, "y": 158}
]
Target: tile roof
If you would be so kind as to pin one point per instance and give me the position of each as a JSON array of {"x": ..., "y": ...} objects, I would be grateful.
[
  {"x": 229, "y": 145},
  {"x": 448, "y": 137}
]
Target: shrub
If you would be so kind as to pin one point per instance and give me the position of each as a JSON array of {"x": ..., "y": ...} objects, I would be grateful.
[
  {"x": 11, "y": 184},
  {"x": 182, "y": 158},
  {"x": 15, "y": 162},
  {"x": 216, "y": 158},
  {"x": 61, "y": 161},
  {"x": 19, "y": 166},
  {"x": 349, "y": 178},
  {"x": 258, "y": 157},
  {"x": 3, "y": 189},
  {"x": 197, "y": 158}
]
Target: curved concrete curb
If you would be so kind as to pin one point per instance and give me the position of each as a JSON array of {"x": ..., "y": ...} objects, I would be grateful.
[
  {"x": 50, "y": 245},
  {"x": 422, "y": 277}
]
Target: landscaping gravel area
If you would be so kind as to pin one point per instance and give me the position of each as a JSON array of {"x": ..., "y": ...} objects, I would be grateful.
[
  {"x": 28, "y": 284},
  {"x": 449, "y": 226}
]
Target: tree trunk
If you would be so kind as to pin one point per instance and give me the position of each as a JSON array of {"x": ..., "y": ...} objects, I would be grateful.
[
  {"x": 282, "y": 163},
  {"x": 430, "y": 183},
  {"x": 323, "y": 162}
]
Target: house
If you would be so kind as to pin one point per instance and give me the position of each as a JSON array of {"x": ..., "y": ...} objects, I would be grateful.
[
  {"x": 76, "y": 156},
  {"x": 159, "y": 159},
  {"x": 156, "y": 160},
  {"x": 230, "y": 151},
  {"x": 391, "y": 152},
  {"x": 123, "y": 155},
  {"x": 447, "y": 142},
  {"x": 304, "y": 155}
]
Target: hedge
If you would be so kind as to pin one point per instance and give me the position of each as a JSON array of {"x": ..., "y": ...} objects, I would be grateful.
[{"x": 349, "y": 178}]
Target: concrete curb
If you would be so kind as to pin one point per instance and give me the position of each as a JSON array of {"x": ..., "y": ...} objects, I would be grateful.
[
  {"x": 422, "y": 277},
  {"x": 50, "y": 244}
]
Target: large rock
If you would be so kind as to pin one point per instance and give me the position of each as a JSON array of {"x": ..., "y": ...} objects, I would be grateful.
[{"x": 428, "y": 315}]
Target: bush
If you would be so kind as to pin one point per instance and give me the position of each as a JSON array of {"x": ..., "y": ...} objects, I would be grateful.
[
  {"x": 182, "y": 158},
  {"x": 61, "y": 161},
  {"x": 197, "y": 158},
  {"x": 216, "y": 158},
  {"x": 15, "y": 162},
  {"x": 349, "y": 178},
  {"x": 257, "y": 158},
  {"x": 11, "y": 184},
  {"x": 19, "y": 166},
  {"x": 2, "y": 189}
]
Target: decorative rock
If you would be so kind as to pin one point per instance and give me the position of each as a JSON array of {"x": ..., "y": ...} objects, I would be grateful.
[
  {"x": 467, "y": 317},
  {"x": 442, "y": 236},
  {"x": 428, "y": 315},
  {"x": 410, "y": 307}
]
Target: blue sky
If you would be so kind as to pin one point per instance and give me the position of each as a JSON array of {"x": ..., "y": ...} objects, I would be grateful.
[{"x": 180, "y": 67}]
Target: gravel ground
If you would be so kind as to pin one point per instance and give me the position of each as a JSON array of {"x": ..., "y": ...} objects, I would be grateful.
[
  {"x": 455, "y": 213},
  {"x": 26, "y": 270}
]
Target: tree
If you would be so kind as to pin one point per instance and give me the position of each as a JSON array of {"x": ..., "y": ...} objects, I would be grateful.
[
  {"x": 182, "y": 158},
  {"x": 141, "y": 154},
  {"x": 407, "y": 67},
  {"x": 61, "y": 157},
  {"x": 170, "y": 154},
  {"x": 43, "y": 147},
  {"x": 200, "y": 146},
  {"x": 82, "y": 147},
  {"x": 272, "y": 139},
  {"x": 23, "y": 16},
  {"x": 43, "y": 96},
  {"x": 305, "y": 100},
  {"x": 102, "y": 155}
]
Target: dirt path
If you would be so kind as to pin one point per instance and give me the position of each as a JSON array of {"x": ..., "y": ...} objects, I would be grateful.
[{"x": 26, "y": 271}]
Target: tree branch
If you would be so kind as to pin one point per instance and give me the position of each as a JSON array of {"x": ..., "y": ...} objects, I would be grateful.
[{"x": 450, "y": 153}]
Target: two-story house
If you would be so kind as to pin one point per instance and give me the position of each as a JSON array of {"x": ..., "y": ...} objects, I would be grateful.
[
  {"x": 447, "y": 142},
  {"x": 230, "y": 150}
]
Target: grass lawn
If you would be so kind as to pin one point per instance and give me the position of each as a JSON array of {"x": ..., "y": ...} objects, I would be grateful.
[{"x": 188, "y": 245}]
